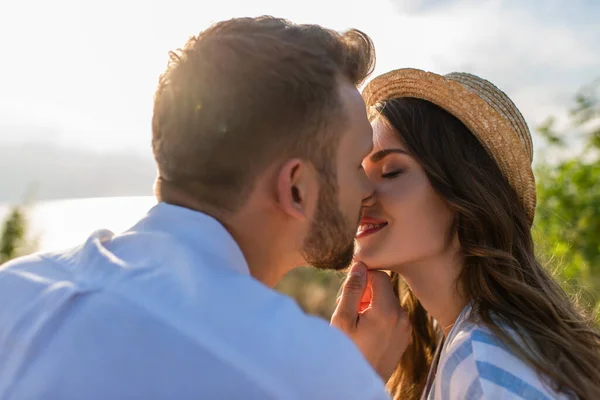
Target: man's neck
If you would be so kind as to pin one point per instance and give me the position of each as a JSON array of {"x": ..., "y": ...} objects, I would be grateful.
[
  {"x": 434, "y": 282},
  {"x": 266, "y": 265},
  {"x": 264, "y": 249}
]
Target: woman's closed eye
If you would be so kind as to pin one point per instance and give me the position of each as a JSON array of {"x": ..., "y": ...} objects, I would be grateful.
[{"x": 392, "y": 174}]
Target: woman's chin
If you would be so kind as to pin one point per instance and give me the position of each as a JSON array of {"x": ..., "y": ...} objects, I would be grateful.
[{"x": 369, "y": 258}]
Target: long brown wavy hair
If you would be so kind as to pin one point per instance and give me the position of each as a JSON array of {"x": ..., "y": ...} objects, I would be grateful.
[{"x": 508, "y": 287}]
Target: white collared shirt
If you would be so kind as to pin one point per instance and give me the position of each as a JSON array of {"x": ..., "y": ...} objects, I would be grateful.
[{"x": 166, "y": 310}]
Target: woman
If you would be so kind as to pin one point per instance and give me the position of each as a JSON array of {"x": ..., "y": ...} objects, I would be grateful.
[{"x": 455, "y": 201}]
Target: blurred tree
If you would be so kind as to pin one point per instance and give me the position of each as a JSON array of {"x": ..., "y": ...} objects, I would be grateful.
[
  {"x": 13, "y": 239},
  {"x": 314, "y": 290},
  {"x": 568, "y": 216}
]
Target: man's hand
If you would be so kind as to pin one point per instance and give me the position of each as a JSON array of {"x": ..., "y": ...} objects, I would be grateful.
[{"x": 370, "y": 314}]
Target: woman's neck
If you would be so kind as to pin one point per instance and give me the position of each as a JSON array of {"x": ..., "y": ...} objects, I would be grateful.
[{"x": 435, "y": 283}]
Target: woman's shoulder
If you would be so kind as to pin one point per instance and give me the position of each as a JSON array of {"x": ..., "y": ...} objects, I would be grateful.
[{"x": 477, "y": 364}]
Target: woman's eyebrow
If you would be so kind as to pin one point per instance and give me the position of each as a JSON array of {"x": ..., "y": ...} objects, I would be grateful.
[{"x": 381, "y": 154}]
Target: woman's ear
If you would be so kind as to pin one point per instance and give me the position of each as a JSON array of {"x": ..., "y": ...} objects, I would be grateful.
[{"x": 296, "y": 188}]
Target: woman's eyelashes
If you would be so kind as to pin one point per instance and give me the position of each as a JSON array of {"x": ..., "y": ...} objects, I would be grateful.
[{"x": 392, "y": 174}]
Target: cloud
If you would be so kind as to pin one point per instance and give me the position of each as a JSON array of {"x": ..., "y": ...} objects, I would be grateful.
[
  {"x": 417, "y": 6},
  {"x": 539, "y": 53},
  {"x": 89, "y": 71}
]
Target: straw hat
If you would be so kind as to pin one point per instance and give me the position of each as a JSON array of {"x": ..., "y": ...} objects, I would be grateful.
[{"x": 484, "y": 109}]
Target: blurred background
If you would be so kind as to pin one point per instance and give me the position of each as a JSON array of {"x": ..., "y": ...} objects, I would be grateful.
[{"x": 77, "y": 79}]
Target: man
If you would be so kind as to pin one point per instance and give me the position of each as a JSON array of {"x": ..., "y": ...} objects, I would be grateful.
[{"x": 258, "y": 133}]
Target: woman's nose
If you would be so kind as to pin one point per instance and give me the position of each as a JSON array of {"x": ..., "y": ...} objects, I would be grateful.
[
  {"x": 368, "y": 191},
  {"x": 369, "y": 201}
]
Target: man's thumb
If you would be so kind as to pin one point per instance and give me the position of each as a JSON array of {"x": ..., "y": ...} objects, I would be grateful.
[{"x": 346, "y": 313}]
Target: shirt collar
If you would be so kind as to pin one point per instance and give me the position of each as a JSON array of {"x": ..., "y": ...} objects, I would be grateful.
[
  {"x": 441, "y": 348},
  {"x": 462, "y": 317},
  {"x": 200, "y": 232}
]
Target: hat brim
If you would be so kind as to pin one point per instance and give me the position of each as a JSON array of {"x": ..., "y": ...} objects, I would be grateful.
[{"x": 494, "y": 133}]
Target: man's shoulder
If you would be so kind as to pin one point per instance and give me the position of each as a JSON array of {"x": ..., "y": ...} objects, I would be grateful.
[
  {"x": 34, "y": 268},
  {"x": 11, "y": 266},
  {"x": 44, "y": 268}
]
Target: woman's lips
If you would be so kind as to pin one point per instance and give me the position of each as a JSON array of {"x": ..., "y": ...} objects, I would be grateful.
[{"x": 369, "y": 226}]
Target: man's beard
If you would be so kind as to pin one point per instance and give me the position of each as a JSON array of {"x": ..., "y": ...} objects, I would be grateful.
[{"x": 330, "y": 241}]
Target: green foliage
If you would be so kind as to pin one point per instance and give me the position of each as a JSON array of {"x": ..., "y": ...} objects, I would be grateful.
[
  {"x": 568, "y": 215},
  {"x": 586, "y": 113},
  {"x": 548, "y": 132},
  {"x": 13, "y": 239}
]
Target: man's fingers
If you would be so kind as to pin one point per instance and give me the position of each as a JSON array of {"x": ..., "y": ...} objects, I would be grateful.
[
  {"x": 386, "y": 304},
  {"x": 367, "y": 294},
  {"x": 347, "y": 310},
  {"x": 383, "y": 298}
]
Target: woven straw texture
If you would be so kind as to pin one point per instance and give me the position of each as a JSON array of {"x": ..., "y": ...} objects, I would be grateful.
[{"x": 484, "y": 109}]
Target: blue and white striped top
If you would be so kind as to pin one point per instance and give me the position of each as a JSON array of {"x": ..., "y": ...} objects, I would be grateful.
[{"x": 474, "y": 364}]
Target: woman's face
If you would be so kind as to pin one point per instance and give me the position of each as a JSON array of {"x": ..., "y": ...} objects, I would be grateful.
[{"x": 409, "y": 223}]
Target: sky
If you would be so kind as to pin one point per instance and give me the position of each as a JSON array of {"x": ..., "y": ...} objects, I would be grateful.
[{"x": 81, "y": 74}]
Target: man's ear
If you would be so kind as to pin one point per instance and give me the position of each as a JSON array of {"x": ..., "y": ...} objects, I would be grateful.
[{"x": 297, "y": 188}]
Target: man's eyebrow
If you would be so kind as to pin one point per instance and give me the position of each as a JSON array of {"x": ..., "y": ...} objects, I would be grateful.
[{"x": 381, "y": 154}]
